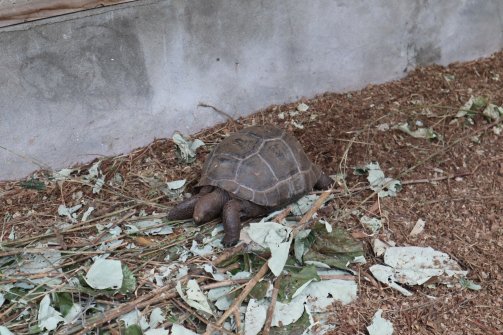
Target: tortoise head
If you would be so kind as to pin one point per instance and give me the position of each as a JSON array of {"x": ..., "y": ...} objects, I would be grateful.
[{"x": 209, "y": 206}]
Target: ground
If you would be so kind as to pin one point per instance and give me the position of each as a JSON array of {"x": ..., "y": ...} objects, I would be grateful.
[{"x": 453, "y": 182}]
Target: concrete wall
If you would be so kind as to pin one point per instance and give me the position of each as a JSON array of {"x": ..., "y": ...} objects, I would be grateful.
[{"x": 105, "y": 81}]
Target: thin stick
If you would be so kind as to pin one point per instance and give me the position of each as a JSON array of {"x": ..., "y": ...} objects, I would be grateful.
[
  {"x": 305, "y": 219},
  {"x": 281, "y": 216},
  {"x": 247, "y": 289},
  {"x": 224, "y": 283},
  {"x": 228, "y": 253},
  {"x": 270, "y": 309},
  {"x": 202, "y": 104}
]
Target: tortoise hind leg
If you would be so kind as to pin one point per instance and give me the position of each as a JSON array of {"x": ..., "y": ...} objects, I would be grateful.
[{"x": 324, "y": 182}]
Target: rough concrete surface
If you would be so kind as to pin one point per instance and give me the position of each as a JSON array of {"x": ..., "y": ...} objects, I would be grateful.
[{"x": 105, "y": 81}]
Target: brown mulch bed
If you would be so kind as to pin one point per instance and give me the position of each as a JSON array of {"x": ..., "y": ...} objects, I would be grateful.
[{"x": 463, "y": 208}]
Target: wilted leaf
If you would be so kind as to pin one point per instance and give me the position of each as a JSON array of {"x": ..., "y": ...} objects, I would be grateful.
[
  {"x": 276, "y": 238},
  {"x": 177, "y": 329},
  {"x": 386, "y": 275},
  {"x": 63, "y": 301},
  {"x": 297, "y": 125},
  {"x": 416, "y": 265},
  {"x": 379, "y": 325},
  {"x": 302, "y": 107},
  {"x": 426, "y": 133},
  {"x": 149, "y": 227},
  {"x": 372, "y": 223},
  {"x": 465, "y": 282},
  {"x": 185, "y": 149},
  {"x": 105, "y": 274},
  {"x": 493, "y": 112},
  {"x": 302, "y": 242},
  {"x": 95, "y": 175},
  {"x": 193, "y": 296},
  {"x": 157, "y": 332},
  {"x": 379, "y": 183},
  {"x": 201, "y": 251},
  {"x": 134, "y": 318},
  {"x": 471, "y": 107},
  {"x": 174, "y": 188},
  {"x": 255, "y": 316},
  {"x": 87, "y": 213},
  {"x": 297, "y": 328},
  {"x": 5, "y": 331},
  {"x": 62, "y": 174},
  {"x": 48, "y": 318},
  {"x": 301, "y": 206},
  {"x": 69, "y": 212}
]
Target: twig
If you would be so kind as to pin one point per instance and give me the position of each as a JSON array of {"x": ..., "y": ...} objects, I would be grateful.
[
  {"x": 307, "y": 217},
  {"x": 160, "y": 294},
  {"x": 224, "y": 283},
  {"x": 32, "y": 160},
  {"x": 202, "y": 104},
  {"x": 484, "y": 327},
  {"x": 281, "y": 216},
  {"x": 246, "y": 290},
  {"x": 228, "y": 253},
  {"x": 341, "y": 277},
  {"x": 270, "y": 309}
]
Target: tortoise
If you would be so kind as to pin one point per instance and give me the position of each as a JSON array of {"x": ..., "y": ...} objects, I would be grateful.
[{"x": 250, "y": 173}]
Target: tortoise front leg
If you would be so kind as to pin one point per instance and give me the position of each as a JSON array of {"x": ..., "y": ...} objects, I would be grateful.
[
  {"x": 324, "y": 182},
  {"x": 232, "y": 222},
  {"x": 185, "y": 209}
]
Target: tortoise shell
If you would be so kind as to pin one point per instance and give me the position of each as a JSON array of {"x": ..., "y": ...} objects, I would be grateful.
[{"x": 262, "y": 164}]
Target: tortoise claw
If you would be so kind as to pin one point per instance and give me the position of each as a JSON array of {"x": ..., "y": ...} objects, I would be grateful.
[{"x": 229, "y": 244}]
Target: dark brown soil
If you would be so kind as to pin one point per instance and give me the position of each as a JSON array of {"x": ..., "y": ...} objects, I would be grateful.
[{"x": 463, "y": 211}]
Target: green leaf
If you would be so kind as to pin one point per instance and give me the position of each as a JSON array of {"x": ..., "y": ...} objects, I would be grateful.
[
  {"x": 128, "y": 280},
  {"x": 336, "y": 249},
  {"x": 296, "y": 328},
  {"x": 133, "y": 330},
  {"x": 33, "y": 184},
  {"x": 472, "y": 106},
  {"x": 260, "y": 290},
  {"x": 63, "y": 301},
  {"x": 294, "y": 280}
]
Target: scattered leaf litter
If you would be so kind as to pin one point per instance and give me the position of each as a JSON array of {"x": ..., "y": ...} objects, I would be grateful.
[
  {"x": 120, "y": 178},
  {"x": 384, "y": 186}
]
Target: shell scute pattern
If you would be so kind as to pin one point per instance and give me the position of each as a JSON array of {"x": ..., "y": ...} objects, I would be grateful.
[{"x": 262, "y": 164}]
